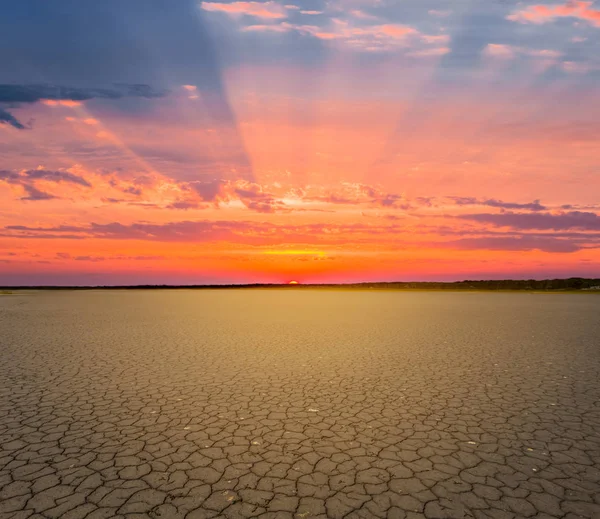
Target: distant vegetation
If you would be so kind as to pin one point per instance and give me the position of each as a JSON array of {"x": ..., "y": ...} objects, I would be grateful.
[
  {"x": 502, "y": 284},
  {"x": 584, "y": 284},
  {"x": 5, "y": 292}
]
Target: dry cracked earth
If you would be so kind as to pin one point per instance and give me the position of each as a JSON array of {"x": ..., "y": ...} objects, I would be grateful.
[{"x": 299, "y": 404}]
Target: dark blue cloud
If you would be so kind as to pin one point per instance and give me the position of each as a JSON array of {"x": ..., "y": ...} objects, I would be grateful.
[
  {"x": 132, "y": 41},
  {"x": 92, "y": 45},
  {"x": 14, "y": 95},
  {"x": 8, "y": 118}
]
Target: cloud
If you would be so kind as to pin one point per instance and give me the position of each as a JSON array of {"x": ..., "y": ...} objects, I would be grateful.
[
  {"x": 183, "y": 205},
  {"x": 34, "y": 194},
  {"x": 357, "y": 13},
  {"x": 439, "y": 13},
  {"x": 541, "y": 221},
  {"x": 271, "y": 10},
  {"x": 65, "y": 102},
  {"x": 438, "y": 51},
  {"x": 531, "y": 206},
  {"x": 54, "y": 176},
  {"x": 517, "y": 243},
  {"x": 34, "y": 93},
  {"x": 281, "y": 27},
  {"x": 383, "y": 37},
  {"x": 8, "y": 118},
  {"x": 53, "y": 95},
  {"x": 541, "y": 13},
  {"x": 209, "y": 191},
  {"x": 270, "y": 234},
  {"x": 274, "y": 198},
  {"x": 27, "y": 180},
  {"x": 501, "y": 50},
  {"x": 358, "y": 194},
  {"x": 181, "y": 231},
  {"x": 371, "y": 38},
  {"x": 252, "y": 195}
]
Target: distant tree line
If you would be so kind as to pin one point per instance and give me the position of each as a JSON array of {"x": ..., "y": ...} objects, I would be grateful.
[{"x": 499, "y": 284}]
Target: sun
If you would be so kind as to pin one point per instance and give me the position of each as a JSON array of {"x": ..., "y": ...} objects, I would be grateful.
[{"x": 293, "y": 283}]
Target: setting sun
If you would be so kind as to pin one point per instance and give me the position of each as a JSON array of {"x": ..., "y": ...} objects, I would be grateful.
[{"x": 293, "y": 283}]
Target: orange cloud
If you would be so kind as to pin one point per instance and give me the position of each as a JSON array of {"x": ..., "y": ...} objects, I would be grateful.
[
  {"x": 544, "y": 13},
  {"x": 61, "y": 102},
  {"x": 258, "y": 9}
]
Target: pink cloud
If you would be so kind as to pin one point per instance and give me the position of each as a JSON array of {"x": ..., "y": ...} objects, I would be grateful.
[
  {"x": 370, "y": 38},
  {"x": 258, "y": 9},
  {"x": 439, "y": 13},
  {"x": 576, "y": 67},
  {"x": 357, "y": 13},
  {"x": 500, "y": 50},
  {"x": 280, "y": 27},
  {"x": 546, "y": 13}
]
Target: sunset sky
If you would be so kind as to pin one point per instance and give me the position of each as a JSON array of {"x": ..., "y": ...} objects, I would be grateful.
[{"x": 180, "y": 141}]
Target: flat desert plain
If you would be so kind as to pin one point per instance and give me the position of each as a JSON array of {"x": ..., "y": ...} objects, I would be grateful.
[{"x": 299, "y": 403}]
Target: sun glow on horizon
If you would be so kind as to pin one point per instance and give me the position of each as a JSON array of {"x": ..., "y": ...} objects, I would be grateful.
[{"x": 295, "y": 252}]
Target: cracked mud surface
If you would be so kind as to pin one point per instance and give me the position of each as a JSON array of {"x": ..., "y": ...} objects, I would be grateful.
[{"x": 275, "y": 403}]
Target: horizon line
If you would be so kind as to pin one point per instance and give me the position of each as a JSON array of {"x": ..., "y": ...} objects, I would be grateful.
[{"x": 406, "y": 284}]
